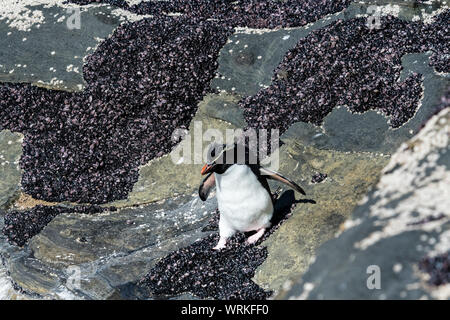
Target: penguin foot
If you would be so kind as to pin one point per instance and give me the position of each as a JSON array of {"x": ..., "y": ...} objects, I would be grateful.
[
  {"x": 255, "y": 237},
  {"x": 221, "y": 244}
]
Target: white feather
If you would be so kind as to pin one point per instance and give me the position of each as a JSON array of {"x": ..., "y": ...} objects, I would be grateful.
[{"x": 244, "y": 204}]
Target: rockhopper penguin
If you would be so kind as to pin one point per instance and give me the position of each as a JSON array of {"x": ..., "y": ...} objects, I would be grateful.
[{"x": 243, "y": 194}]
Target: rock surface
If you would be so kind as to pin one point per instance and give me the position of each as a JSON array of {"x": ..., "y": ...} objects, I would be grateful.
[
  {"x": 404, "y": 220},
  {"x": 10, "y": 173},
  {"x": 60, "y": 56},
  {"x": 112, "y": 251},
  {"x": 349, "y": 177}
]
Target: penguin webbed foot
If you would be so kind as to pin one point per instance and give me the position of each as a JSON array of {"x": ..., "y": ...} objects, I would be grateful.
[
  {"x": 221, "y": 244},
  {"x": 255, "y": 237}
]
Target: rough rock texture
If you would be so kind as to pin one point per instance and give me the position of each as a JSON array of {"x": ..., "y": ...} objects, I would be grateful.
[
  {"x": 20, "y": 226},
  {"x": 61, "y": 56},
  {"x": 110, "y": 251},
  {"x": 10, "y": 153},
  {"x": 349, "y": 177},
  {"x": 114, "y": 250},
  {"x": 402, "y": 227}
]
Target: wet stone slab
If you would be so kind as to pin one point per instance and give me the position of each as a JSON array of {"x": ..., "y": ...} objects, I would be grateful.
[
  {"x": 10, "y": 152},
  {"x": 57, "y": 61},
  {"x": 110, "y": 251}
]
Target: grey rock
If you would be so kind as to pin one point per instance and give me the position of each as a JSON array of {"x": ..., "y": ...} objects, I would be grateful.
[
  {"x": 10, "y": 173},
  {"x": 403, "y": 220},
  {"x": 319, "y": 215},
  {"x": 60, "y": 56},
  {"x": 103, "y": 256}
]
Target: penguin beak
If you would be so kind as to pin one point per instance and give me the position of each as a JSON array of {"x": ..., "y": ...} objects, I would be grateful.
[{"x": 207, "y": 168}]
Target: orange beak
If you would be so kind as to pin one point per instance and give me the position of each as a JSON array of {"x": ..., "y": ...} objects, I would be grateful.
[{"x": 206, "y": 169}]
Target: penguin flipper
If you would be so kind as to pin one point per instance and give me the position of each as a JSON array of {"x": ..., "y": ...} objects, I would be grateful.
[
  {"x": 207, "y": 184},
  {"x": 276, "y": 176}
]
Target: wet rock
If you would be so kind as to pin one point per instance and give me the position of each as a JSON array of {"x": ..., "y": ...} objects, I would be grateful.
[
  {"x": 20, "y": 226},
  {"x": 392, "y": 230},
  {"x": 10, "y": 153},
  {"x": 111, "y": 251},
  {"x": 61, "y": 55}
]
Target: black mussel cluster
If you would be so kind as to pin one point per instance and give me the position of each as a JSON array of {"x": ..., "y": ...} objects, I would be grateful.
[
  {"x": 438, "y": 268},
  {"x": 22, "y": 225},
  {"x": 318, "y": 177},
  {"x": 439, "y": 31},
  {"x": 206, "y": 273},
  {"x": 346, "y": 63},
  {"x": 142, "y": 83}
]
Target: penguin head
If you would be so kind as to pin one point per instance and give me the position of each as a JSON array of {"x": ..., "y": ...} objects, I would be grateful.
[{"x": 220, "y": 157}]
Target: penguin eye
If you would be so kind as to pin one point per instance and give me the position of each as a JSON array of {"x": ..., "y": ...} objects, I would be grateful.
[{"x": 214, "y": 153}]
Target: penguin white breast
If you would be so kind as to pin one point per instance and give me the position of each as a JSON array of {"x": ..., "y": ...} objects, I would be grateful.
[{"x": 242, "y": 200}]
